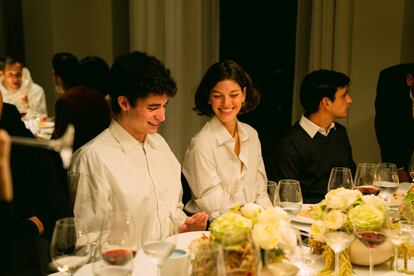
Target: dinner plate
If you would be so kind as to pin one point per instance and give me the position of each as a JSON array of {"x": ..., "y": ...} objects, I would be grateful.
[
  {"x": 184, "y": 239},
  {"x": 303, "y": 219}
]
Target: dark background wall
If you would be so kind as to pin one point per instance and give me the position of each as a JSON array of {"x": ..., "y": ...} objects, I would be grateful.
[{"x": 260, "y": 36}]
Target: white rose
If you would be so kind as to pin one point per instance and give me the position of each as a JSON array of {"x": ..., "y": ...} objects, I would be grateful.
[
  {"x": 334, "y": 219},
  {"x": 376, "y": 201},
  {"x": 341, "y": 198},
  {"x": 266, "y": 235},
  {"x": 273, "y": 215},
  {"x": 251, "y": 210}
]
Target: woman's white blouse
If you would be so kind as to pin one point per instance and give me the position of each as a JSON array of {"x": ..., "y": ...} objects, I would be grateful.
[{"x": 217, "y": 177}]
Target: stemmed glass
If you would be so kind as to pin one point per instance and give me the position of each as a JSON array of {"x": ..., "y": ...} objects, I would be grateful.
[
  {"x": 116, "y": 245},
  {"x": 159, "y": 247},
  {"x": 364, "y": 179},
  {"x": 271, "y": 190},
  {"x": 371, "y": 238},
  {"x": 398, "y": 234},
  {"x": 289, "y": 196},
  {"x": 70, "y": 247},
  {"x": 386, "y": 179},
  {"x": 338, "y": 240},
  {"x": 340, "y": 177}
]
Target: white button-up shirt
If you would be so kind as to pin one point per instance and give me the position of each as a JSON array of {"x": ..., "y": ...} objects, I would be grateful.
[
  {"x": 219, "y": 178},
  {"x": 115, "y": 172}
]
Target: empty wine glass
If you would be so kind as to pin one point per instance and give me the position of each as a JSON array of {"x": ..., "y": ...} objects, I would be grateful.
[
  {"x": 158, "y": 247},
  {"x": 116, "y": 245},
  {"x": 386, "y": 179},
  {"x": 364, "y": 179},
  {"x": 399, "y": 233},
  {"x": 371, "y": 237},
  {"x": 70, "y": 247},
  {"x": 340, "y": 177},
  {"x": 289, "y": 196},
  {"x": 271, "y": 190},
  {"x": 337, "y": 239}
]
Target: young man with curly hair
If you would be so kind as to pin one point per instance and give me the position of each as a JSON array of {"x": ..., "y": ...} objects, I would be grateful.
[{"x": 129, "y": 167}]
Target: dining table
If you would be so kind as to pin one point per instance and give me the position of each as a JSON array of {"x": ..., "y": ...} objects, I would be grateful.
[{"x": 312, "y": 264}]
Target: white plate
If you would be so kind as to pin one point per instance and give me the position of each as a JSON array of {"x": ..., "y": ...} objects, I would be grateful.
[
  {"x": 184, "y": 239},
  {"x": 303, "y": 219}
]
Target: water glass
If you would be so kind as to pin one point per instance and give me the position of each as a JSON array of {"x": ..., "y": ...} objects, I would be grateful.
[
  {"x": 271, "y": 190},
  {"x": 289, "y": 196},
  {"x": 386, "y": 179},
  {"x": 70, "y": 247}
]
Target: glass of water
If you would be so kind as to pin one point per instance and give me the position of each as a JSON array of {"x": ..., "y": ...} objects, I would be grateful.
[
  {"x": 289, "y": 196},
  {"x": 386, "y": 179}
]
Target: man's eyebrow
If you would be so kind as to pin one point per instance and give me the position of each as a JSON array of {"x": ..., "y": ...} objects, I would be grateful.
[{"x": 155, "y": 105}]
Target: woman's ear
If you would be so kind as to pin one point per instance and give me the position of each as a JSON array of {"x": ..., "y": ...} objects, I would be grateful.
[{"x": 123, "y": 103}]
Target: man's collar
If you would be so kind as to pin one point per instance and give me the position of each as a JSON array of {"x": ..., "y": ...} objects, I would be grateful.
[
  {"x": 127, "y": 141},
  {"x": 311, "y": 128}
]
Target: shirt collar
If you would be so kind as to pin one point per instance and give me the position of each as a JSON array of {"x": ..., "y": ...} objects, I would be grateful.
[
  {"x": 127, "y": 141},
  {"x": 311, "y": 128},
  {"x": 221, "y": 133}
]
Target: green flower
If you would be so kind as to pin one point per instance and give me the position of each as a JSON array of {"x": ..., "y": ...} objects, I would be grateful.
[
  {"x": 366, "y": 217},
  {"x": 231, "y": 228}
]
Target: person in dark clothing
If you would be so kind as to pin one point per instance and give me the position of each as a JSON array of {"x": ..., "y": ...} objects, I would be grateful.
[
  {"x": 79, "y": 105},
  {"x": 394, "y": 118},
  {"x": 316, "y": 143},
  {"x": 22, "y": 252}
]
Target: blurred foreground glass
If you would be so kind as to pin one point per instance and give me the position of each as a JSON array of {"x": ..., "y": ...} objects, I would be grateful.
[
  {"x": 399, "y": 233},
  {"x": 340, "y": 177},
  {"x": 116, "y": 245},
  {"x": 289, "y": 196},
  {"x": 158, "y": 249},
  {"x": 364, "y": 179},
  {"x": 70, "y": 247}
]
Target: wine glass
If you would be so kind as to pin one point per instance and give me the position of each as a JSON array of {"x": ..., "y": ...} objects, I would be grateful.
[
  {"x": 386, "y": 179},
  {"x": 289, "y": 196},
  {"x": 364, "y": 179},
  {"x": 340, "y": 177},
  {"x": 371, "y": 237},
  {"x": 70, "y": 247},
  {"x": 158, "y": 246},
  {"x": 271, "y": 190},
  {"x": 411, "y": 168},
  {"x": 116, "y": 245},
  {"x": 399, "y": 233},
  {"x": 338, "y": 240}
]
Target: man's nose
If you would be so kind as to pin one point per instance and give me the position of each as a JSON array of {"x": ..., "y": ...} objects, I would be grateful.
[{"x": 161, "y": 114}]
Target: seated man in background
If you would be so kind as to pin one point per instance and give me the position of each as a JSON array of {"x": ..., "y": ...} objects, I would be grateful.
[
  {"x": 316, "y": 143},
  {"x": 129, "y": 167},
  {"x": 80, "y": 105},
  {"x": 394, "y": 117},
  {"x": 19, "y": 89}
]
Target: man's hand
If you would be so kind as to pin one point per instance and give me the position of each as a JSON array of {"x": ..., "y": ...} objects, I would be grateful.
[{"x": 196, "y": 222}]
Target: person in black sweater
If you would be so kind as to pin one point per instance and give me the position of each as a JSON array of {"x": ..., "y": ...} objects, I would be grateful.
[{"x": 316, "y": 143}]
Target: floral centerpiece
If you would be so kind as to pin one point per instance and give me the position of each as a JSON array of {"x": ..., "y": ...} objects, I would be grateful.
[
  {"x": 406, "y": 212},
  {"x": 342, "y": 209},
  {"x": 244, "y": 236}
]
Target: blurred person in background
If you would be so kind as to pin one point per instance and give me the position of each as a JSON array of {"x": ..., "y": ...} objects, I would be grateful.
[
  {"x": 394, "y": 116},
  {"x": 80, "y": 103},
  {"x": 18, "y": 89}
]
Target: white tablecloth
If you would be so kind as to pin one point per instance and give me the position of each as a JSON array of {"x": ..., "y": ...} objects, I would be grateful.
[{"x": 144, "y": 266}]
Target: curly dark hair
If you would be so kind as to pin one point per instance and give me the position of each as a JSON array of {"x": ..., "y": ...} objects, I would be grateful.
[
  {"x": 319, "y": 84},
  {"x": 226, "y": 70},
  {"x": 137, "y": 75}
]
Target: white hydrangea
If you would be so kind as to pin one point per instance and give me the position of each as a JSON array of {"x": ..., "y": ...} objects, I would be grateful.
[{"x": 341, "y": 198}]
